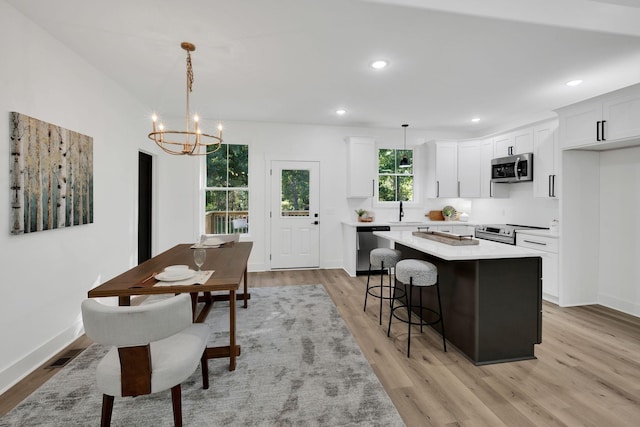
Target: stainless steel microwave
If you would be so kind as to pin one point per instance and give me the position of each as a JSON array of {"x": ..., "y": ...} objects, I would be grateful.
[{"x": 518, "y": 168}]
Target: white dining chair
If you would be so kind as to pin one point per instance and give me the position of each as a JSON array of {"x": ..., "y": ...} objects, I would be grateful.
[{"x": 156, "y": 347}]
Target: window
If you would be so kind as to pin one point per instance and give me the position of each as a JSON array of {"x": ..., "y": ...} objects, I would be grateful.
[
  {"x": 227, "y": 190},
  {"x": 395, "y": 183}
]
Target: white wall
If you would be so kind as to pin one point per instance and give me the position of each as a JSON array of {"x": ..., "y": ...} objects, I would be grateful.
[
  {"x": 45, "y": 275},
  {"x": 519, "y": 208},
  {"x": 619, "y": 263}
]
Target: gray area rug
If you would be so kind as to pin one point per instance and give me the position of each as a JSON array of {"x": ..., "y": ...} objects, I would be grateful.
[{"x": 299, "y": 366}]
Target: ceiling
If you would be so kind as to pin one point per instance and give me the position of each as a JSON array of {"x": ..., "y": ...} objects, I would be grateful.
[{"x": 297, "y": 61}]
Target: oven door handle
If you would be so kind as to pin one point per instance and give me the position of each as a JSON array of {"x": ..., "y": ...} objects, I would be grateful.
[{"x": 516, "y": 168}]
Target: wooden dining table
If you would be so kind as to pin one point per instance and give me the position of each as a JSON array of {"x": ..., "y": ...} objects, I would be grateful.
[{"x": 229, "y": 263}]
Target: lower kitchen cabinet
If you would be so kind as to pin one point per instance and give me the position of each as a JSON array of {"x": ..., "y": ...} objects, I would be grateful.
[{"x": 550, "y": 272}]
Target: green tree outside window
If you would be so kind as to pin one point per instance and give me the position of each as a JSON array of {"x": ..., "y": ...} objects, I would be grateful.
[
  {"x": 394, "y": 183},
  {"x": 227, "y": 189}
]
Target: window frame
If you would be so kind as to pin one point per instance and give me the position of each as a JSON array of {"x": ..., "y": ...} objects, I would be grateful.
[
  {"x": 227, "y": 190},
  {"x": 387, "y": 203}
]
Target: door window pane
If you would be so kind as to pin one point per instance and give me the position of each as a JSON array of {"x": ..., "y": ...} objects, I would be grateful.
[{"x": 295, "y": 192}]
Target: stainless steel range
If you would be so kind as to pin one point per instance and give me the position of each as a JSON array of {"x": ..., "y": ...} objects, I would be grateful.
[{"x": 503, "y": 233}]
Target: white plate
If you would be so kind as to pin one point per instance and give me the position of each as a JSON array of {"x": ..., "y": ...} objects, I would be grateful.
[
  {"x": 175, "y": 275},
  {"x": 214, "y": 242},
  {"x": 176, "y": 267}
]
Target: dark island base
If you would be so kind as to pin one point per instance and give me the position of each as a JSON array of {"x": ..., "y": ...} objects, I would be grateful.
[{"x": 492, "y": 308}]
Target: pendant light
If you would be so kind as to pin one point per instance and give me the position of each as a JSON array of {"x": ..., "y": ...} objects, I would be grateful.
[{"x": 404, "y": 163}]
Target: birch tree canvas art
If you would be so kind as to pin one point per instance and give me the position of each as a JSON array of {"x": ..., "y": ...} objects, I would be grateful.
[{"x": 51, "y": 176}]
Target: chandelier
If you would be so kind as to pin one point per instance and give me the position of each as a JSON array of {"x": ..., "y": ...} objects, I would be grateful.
[{"x": 191, "y": 141}]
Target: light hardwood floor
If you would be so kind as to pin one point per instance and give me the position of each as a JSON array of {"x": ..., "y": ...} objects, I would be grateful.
[{"x": 587, "y": 371}]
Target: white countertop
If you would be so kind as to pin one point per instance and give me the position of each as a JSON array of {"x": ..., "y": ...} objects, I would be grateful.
[
  {"x": 405, "y": 223},
  {"x": 485, "y": 250}
]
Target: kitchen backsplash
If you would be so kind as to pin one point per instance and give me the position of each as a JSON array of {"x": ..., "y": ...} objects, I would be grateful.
[{"x": 520, "y": 208}]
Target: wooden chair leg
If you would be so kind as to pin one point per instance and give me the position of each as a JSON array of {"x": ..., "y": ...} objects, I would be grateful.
[
  {"x": 204, "y": 363},
  {"x": 176, "y": 400},
  {"x": 107, "y": 409}
]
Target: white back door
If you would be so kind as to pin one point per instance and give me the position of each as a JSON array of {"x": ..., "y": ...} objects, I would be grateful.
[{"x": 295, "y": 200}]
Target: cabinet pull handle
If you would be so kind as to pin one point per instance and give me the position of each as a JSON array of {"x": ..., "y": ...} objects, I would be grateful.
[
  {"x": 550, "y": 188},
  {"x": 490, "y": 189},
  {"x": 437, "y": 188},
  {"x": 553, "y": 185},
  {"x": 458, "y": 188},
  {"x": 602, "y": 130},
  {"x": 373, "y": 187},
  {"x": 598, "y": 130},
  {"x": 535, "y": 243}
]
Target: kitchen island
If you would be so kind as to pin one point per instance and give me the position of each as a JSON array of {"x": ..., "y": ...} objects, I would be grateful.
[{"x": 491, "y": 295}]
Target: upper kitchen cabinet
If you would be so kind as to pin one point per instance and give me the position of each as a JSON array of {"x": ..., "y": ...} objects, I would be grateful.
[
  {"x": 607, "y": 121},
  {"x": 546, "y": 160},
  {"x": 517, "y": 142},
  {"x": 469, "y": 169},
  {"x": 442, "y": 169},
  {"x": 361, "y": 167}
]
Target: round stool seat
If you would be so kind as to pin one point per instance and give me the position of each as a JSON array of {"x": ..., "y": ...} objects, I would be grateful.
[
  {"x": 382, "y": 259},
  {"x": 388, "y": 256},
  {"x": 419, "y": 272},
  {"x": 416, "y": 273}
]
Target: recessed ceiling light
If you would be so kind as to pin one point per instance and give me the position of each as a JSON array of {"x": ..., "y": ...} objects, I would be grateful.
[
  {"x": 475, "y": 119},
  {"x": 379, "y": 64},
  {"x": 341, "y": 111},
  {"x": 574, "y": 83}
]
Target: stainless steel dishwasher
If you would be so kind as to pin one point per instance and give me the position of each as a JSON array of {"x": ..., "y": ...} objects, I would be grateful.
[{"x": 366, "y": 242}]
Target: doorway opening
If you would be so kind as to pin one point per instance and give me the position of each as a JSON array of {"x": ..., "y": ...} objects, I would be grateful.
[{"x": 145, "y": 186}]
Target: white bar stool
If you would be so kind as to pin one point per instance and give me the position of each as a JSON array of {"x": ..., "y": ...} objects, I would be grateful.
[
  {"x": 383, "y": 259},
  {"x": 417, "y": 273}
]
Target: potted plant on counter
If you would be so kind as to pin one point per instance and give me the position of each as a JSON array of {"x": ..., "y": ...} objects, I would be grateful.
[
  {"x": 363, "y": 215},
  {"x": 448, "y": 212}
]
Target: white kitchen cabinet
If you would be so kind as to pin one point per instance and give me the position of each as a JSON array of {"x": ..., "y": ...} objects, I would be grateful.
[
  {"x": 469, "y": 169},
  {"x": 442, "y": 169},
  {"x": 502, "y": 145},
  {"x": 621, "y": 116},
  {"x": 516, "y": 142},
  {"x": 361, "y": 167},
  {"x": 464, "y": 230},
  {"x": 522, "y": 141},
  {"x": 488, "y": 188},
  {"x": 546, "y": 160},
  {"x": 601, "y": 121},
  {"x": 549, "y": 247},
  {"x": 454, "y": 227}
]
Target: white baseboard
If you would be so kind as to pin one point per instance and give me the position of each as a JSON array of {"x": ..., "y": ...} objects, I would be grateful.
[
  {"x": 550, "y": 298},
  {"x": 629, "y": 307},
  {"x": 32, "y": 361}
]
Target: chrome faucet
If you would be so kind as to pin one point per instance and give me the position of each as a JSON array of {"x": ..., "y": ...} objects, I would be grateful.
[{"x": 401, "y": 212}]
